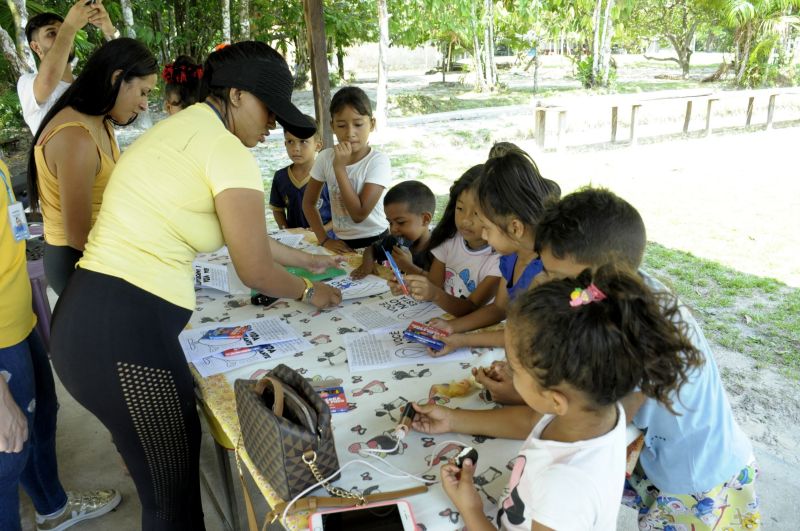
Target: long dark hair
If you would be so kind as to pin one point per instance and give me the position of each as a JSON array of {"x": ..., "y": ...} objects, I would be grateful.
[
  {"x": 446, "y": 228},
  {"x": 605, "y": 348},
  {"x": 511, "y": 186},
  {"x": 94, "y": 91}
]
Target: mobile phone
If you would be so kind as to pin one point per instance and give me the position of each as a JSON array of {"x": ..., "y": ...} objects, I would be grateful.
[{"x": 386, "y": 516}]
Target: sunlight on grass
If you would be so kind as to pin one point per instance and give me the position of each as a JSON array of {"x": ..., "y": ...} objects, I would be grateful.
[{"x": 757, "y": 316}]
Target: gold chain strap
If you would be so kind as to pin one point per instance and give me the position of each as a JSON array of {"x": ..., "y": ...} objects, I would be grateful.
[{"x": 310, "y": 459}]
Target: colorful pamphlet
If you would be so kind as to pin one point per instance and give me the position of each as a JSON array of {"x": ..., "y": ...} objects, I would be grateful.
[
  {"x": 335, "y": 398},
  {"x": 227, "y": 332}
]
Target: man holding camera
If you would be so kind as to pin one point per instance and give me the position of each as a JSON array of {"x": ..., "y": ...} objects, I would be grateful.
[{"x": 52, "y": 39}]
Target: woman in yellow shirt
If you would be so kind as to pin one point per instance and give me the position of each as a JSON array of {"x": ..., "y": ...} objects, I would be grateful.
[
  {"x": 75, "y": 150},
  {"x": 188, "y": 185}
]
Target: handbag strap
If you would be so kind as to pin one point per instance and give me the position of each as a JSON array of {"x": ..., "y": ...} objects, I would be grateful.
[
  {"x": 311, "y": 503},
  {"x": 277, "y": 388}
]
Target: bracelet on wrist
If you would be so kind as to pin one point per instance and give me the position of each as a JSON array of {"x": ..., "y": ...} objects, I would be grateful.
[{"x": 323, "y": 242}]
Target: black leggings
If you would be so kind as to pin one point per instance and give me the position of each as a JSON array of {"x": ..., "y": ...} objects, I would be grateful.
[
  {"x": 115, "y": 348},
  {"x": 59, "y": 264}
]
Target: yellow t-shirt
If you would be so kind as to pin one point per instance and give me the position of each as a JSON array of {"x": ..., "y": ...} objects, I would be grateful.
[
  {"x": 158, "y": 209},
  {"x": 16, "y": 312}
]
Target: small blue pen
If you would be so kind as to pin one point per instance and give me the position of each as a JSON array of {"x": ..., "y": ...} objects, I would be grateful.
[{"x": 397, "y": 274}]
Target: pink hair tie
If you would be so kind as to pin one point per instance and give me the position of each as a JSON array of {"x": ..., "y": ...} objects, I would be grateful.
[{"x": 590, "y": 294}]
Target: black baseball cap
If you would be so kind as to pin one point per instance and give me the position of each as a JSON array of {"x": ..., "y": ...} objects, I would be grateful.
[{"x": 269, "y": 79}]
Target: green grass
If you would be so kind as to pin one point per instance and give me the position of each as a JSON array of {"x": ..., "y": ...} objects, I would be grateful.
[{"x": 757, "y": 316}]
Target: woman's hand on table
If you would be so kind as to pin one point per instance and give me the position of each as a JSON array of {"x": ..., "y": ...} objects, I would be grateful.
[
  {"x": 325, "y": 296},
  {"x": 498, "y": 381},
  {"x": 337, "y": 246},
  {"x": 431, "y": 418},
  {"x": 319, "y": 263}
]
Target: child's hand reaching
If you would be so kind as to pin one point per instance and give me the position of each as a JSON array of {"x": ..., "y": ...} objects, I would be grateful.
[
  {"x": 498, "y": 381},
  {"x": 394, "y": 286},
  {"x": 460, "y": 487},
  {"x": 337, "y": 246},
  {"x": 403, "y": 259},
  {"x": 366, "y": 267},
  {"x": 442, "y": 324},
  {"x": 431, "y": 418},
  {"x": 421, "y": 288},
  {"x": 451, "y": 343}
]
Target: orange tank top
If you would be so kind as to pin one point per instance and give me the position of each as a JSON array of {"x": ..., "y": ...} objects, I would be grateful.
[{"x": 49, "y": 195}]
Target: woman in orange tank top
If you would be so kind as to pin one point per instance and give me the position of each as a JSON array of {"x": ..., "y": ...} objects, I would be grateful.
[{"x": 75, "y": 150}]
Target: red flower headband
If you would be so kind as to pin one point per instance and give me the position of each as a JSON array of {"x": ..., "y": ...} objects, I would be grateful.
[{"x": 181, "y": 74}]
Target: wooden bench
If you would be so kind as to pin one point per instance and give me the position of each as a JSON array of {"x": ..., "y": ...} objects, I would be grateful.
[{"x": 635, "y": 102}]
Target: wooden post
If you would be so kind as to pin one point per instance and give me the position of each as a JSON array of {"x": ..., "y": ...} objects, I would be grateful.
[
  {"x": 614, "y": 111},
  {"x": 634, "y": 110},
  {"x": 771, "y": 110},
  {"x": 562, "y": 128},
  {"x": 749, "y": 110},
  {"x": 317, "y": 48},
  {"x": 688, "y": 117},
  {"x": 541, "y": 118},
  {"x": 708, "y": 115}
]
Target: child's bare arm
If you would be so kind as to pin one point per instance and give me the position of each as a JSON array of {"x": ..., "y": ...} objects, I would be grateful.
[
  {"x": 359, "y": 205},
  {"x": 495, "y": 338},
  {"x": 280, "y": 217},
  {"x": 510, "y": 422},
  {"x": 310, "y": 198}
]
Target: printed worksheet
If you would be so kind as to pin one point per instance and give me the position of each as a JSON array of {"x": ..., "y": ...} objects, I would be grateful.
[
  {"x": 380, "y": 349},
  {"x": 397, "y": 311},
  {"x": 217, "y": 362},
  {"x": 197, "y": 344},
  {"x": 288, "y": 238},
  {"x": 355, "y": 289}
]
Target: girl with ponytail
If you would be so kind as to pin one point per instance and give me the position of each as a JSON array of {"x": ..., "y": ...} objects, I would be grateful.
[{"x": 576, "y": 347}]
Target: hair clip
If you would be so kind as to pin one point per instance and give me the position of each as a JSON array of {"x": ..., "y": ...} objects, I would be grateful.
[{"x": 590, "y": 294}]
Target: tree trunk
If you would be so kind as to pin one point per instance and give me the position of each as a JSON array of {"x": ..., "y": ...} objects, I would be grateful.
[
  {"x": 301, "y": 61},
  {"x": 127, "y": 18},
  {"x": 18, "y": 66},
  {"x": 226, "y": 21},
  {"x": 382, "y": 114},
  {"x": 488, "y": 44},
  {"x": 19, "y": 13},
  {"x": 340, "y": 61},
  {"x": 744, "y": 57},
  {"x": 598, "y": 8},
  {"x": 608, "y": 34},
  {"x": 480, "y": 81},
  {"x": 536, "y": 72},
  {"x": 244, "y": 20},
  {"x": 445, "y": 47}
]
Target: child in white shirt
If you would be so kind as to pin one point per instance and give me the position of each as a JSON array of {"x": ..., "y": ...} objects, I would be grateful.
[
  {"x": 357, "y": 176},
  {"x": 576, "y": 347}
]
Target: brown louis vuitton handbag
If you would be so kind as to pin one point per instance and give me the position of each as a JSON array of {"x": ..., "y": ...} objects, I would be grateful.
[{"x": 286, "y": 430}]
